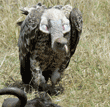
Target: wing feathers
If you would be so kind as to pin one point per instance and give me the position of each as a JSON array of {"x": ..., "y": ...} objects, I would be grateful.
[
  {"x": 26, "y": 10},
  {"x": 76, "y": 16},
  {"x": 28, "y": 34},
  {"x": 76, "y": 28}
]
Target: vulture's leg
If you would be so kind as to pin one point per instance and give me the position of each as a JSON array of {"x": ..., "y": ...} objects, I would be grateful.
[
  {"x": 38, "y": 80},
  {"x": 55, "y": 77}
]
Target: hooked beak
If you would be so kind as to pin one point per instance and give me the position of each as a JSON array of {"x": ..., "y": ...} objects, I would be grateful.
[{"x": 66, "y": 49}]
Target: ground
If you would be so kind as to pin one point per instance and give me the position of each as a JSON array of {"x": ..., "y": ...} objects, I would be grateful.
[{"x": 86, "y": 81}]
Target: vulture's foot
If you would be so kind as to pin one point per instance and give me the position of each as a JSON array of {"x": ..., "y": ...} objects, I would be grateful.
[{"x": 55, "y": 90}]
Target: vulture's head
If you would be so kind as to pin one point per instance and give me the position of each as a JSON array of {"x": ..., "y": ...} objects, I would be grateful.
[{"x": 55, "y": 23}]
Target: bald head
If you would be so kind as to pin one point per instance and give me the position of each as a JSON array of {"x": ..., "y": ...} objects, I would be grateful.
[{"x": 55, "y": 23}]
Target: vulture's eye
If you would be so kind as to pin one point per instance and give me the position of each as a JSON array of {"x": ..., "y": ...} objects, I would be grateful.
[
  {"x": 66, "y": 28},
  {"x": 44, "y": 28}
]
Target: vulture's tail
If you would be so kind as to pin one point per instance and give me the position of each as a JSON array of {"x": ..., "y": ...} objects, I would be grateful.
[{"x": 14, "y": 102}]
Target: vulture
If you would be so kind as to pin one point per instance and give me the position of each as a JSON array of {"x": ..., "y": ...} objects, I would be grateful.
[
  {"x": 21, "y": 101},
  {"x": 47, "y": 41}
]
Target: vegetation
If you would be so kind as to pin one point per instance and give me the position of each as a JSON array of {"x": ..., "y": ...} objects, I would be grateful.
[{"x": 86, "y": 81}]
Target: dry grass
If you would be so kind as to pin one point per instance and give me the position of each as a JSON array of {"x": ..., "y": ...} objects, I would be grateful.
[{"x": 87, "y": 79}]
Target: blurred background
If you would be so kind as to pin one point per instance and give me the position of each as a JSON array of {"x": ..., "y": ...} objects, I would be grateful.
[{"x": 86, "y": 81}]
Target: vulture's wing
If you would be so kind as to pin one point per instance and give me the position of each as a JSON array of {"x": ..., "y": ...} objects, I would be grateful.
[
  {"x": 28, "y": 36},
  {"x": 27, "y": 10},
  {"x": 76, "y": 28}
]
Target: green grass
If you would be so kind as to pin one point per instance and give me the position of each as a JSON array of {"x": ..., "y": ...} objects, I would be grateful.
[{"x": 87, "y": 79}]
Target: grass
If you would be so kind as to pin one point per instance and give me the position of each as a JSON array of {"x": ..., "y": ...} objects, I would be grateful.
[{"x": 87, "y": 79}]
